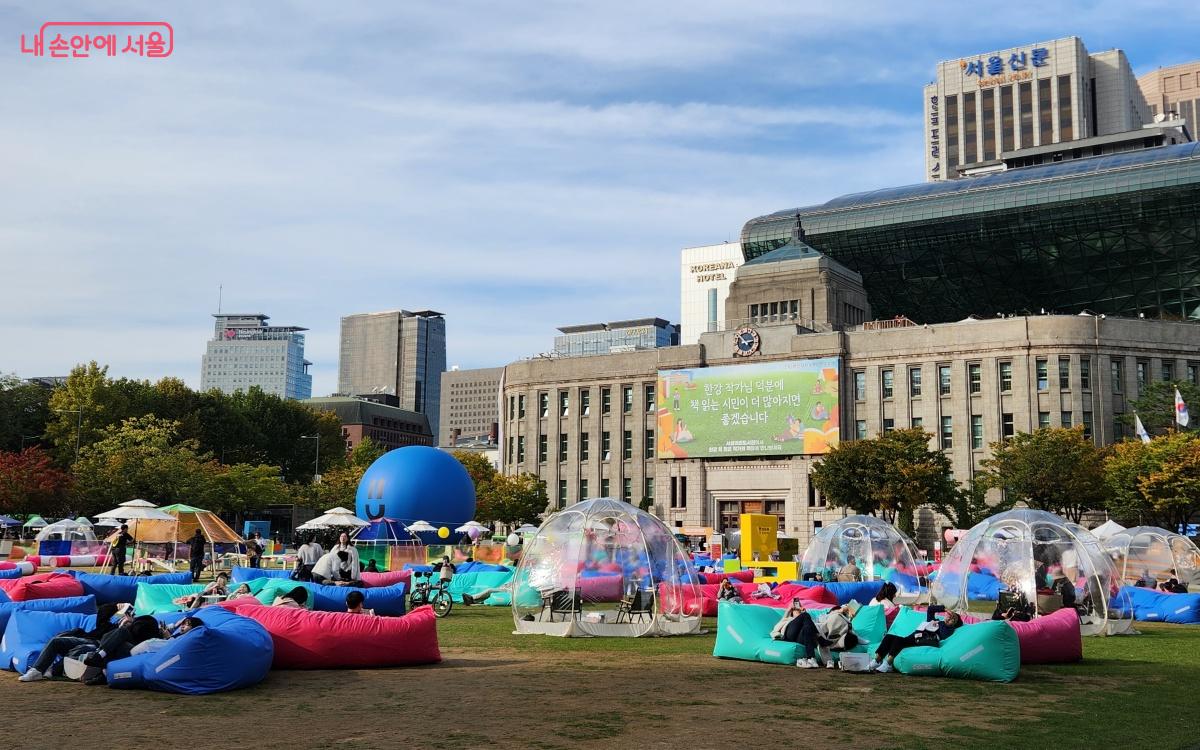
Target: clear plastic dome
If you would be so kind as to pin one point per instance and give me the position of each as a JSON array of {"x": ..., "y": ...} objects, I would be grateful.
[
  {"x": 1022, "y": 556},
  {"x": 604, "y": 568},
  {"x": 66, "y": 530},
  {"x": 865, "y": 548},
  {"x": 1148, "y": 555}
]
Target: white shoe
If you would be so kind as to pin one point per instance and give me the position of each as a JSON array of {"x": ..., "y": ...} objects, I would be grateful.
[
  {"x": 872, "y": 665},
  {"x": 884, "y": 667},
  {"x": 806, "y": 663},
  {"x": 31, "y": 676},
  {"x": 829, "y": 664}
]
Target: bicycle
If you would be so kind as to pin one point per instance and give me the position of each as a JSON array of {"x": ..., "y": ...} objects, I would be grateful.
[{"x": 435, "y": 594}]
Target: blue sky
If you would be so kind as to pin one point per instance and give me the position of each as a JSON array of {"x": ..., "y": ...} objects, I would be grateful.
[{"x": 518, "y": 166}]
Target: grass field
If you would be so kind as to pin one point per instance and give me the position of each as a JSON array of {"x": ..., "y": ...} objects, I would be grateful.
[{"x": 499, "y": 690}]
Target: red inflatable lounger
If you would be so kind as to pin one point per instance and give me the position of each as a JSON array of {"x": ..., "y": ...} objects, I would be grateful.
[
  {"x": 392, "y": 577},
  {"x": 338, "y": 640},
  {"x": 1049, "y": 639},
  {"x": 42, "y": 586}
]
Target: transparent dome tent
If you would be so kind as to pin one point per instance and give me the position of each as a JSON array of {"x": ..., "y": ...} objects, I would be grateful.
[
  {"x": 67, "y": 530},
  {"x": 879, "y": 550},
  {"x": 1022, "y": 556},
  {"x": 605, "y": 568},
  {"x": 1148, "y": 555}
]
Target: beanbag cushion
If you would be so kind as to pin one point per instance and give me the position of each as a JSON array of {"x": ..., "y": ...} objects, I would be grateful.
[
  {"x": 1158, "y": 606},
  {"x": 85, "y": 605},
  {"x": 1050, "y": 639},
  {"x": 241, "y": 574},
  {"x": 11, "y": 573},
  {"x": 743, "y": 576},
  {"x": 391, "y": 577},
  {"x": 786, "y": 592},
  {"x": 266, "y": 591},
  {"x": 156, "y": 599},
  {"x": 744, "y": 632},
  {"x": 477, "y": 583},
  {"x": 42, "y": 586},
  {"x": 983, "y": 651},
  {"x": 689, "y": 600},
  {"x": 228, "y": 652},
  {"x": 601, "y": 588},
  {"x": 110, "y": 589},
  {"x": 481, "y": 567},
  {"x": 339, "y": 640},
  {"x": 859, "y": 591},
  {"x": 386, "y": 600},
  {"x": 983, "y": 587},
  {"x": 28, "y": 632},
  {"x": 906, "y": 621}
]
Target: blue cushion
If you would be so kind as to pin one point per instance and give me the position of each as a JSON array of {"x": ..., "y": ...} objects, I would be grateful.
[
  {"x": 110, "y": 589},
  {"x": 1158, "y": 606},
  {"x": 861, "y": 591},
  {"x": 9, "y": 574},
  {"x": 28, "y": 632},
  {"x": 229, "y": 652},
  {"x": 983, "y": 587},
  {"x": 242, "y": 574},
  {"x": 84, "y": 605}
]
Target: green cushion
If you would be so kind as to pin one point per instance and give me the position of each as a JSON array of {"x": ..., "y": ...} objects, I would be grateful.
[
  {"x": 154, "y": 599},
  {"x": 870, "y": 623},
  {"x": 987, "y": 650},
  {"x": 907, "y": 621},
  {"x": 476, "y": 583},
  {"x": 274, "y": 587},
  {"x": 742, "y": 630}
]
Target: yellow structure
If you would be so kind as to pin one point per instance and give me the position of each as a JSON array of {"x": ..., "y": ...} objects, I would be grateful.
[{"x": 759, "y": 541}]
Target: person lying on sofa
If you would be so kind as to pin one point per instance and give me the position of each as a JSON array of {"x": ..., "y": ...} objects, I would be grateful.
[
  {"x": 294, "y": 599},
  {"x": 886, "y": 596},
  {"x": 116, "y": 644},
  {"x": 219, "y": 586},
  {"x": 831, "y": 631},
  {"x": 337, "y": 568},
  {"x": 166, "y": 633},
  {"x": 930, "y": 633},
  {"x": 1172, "y": 586},
  {"x": 727, "y": 592},
  {"x": 764, "y": 591},
  {"x": 62, "y": 644}
]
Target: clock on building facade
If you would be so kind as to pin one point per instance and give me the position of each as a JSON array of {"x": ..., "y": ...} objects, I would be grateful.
[{"x": 745, "y": 342}]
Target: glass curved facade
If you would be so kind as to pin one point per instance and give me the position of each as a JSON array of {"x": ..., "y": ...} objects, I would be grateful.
[{"x": 1116, "y": 235}]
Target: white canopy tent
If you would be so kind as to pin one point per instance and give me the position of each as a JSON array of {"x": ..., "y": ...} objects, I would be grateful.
[{"x": 1107, "y": 529}]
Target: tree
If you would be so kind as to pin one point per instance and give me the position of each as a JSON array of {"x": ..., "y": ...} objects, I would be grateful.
[
  {"x": 1155, "y": 406},
  {"x": 365, "y": 453},
  {"x": 514, "y": 499},
  {"x": 968, "y": 506},
  {"x": 477, "y": 465},
  {"x": 29, "y": 483},
  {"x": 1055, "y": 469},
  {"x": 1156, "y": 482},
  {"x": 890, "y": 475},
  {"x": 24, "y": 410}
]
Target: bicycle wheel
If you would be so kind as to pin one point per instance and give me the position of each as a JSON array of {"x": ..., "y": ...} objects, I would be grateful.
[{"x": 442, "y": 604}]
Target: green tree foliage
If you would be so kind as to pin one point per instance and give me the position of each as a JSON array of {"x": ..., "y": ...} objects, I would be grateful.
[
  {"x": 1155, "y": 405},
  {"x": 890, "y": 475},
  {"x": 1155, "y": 483},
  {"x": 146, "y": 457},
  {"x": 1054, "y": 469},
  {"x": 24, "y": 410},
  {"x": 513, "y": 499},
  {"x": 29, "y": 483},
  {"x": 365, "y": 453},
  {"x": 968, "y": 506},
  {"x": 477, "y": 465}
]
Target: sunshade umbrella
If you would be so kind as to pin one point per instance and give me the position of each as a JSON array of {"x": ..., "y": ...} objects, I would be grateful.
[
  {"x": 419, "y": 526},
  {"x": 527, "y": 529},
  {"x": 107, "y": 522},
  {"x": 311, "y": 526},
  {"x": 340, "y": 517},
  {"x": 9, "y": 521},
  {"x": 135, "y": 511},
  {"x": 469, "y": 525}
]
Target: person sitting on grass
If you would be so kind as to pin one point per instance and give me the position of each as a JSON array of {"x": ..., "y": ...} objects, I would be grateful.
[
  {"x": 217, "y": 587},
  {"x": 727, "y": 593},
  {"x": 294, "y": 599},
  {"x": 354, "y": 604},
  {"x": 930, "y": 633},
  {"x": 337, "y": 568}
]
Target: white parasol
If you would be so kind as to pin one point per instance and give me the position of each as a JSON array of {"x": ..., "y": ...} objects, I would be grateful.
[
  {"x": 338, "y": 517},
  {"x": 419, "y": 527}
]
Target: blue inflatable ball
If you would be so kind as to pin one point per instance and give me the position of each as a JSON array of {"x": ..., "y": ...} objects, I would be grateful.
[{"x": 417, "y": 483}]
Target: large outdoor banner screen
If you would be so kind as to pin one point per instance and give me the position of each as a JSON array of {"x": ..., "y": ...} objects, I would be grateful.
[{"x": 771, "y": 408}]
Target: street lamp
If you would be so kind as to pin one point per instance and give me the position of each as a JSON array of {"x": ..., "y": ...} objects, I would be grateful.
[
  {"x": 317, "y": 463},
  {"x": 78, "y": 427}
]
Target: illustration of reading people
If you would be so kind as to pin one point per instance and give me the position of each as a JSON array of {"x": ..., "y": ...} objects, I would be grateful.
[
  {"x": 794, "y": 431},
  {"x": 819, "y": 413},
  {"x": 676, "y": 403},
  {"x": 681, "y": 434},
  {"x": 819, "y": 386}
]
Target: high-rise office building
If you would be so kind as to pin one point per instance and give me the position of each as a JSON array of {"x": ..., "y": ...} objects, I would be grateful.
[
  {"x": 705, "y": 277},
  {"x": 399, "y": 353},
  {"x": 1174, "y": 89},
  {"x": 245, "y": 351},
  {"x": 470, "y": 412},
  {"x": 1042, "y": 102}
]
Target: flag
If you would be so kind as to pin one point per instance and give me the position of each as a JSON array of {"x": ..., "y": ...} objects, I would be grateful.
[
  {"x": 1140, "y": 429},
  {"x": 1181, "y": 414}
]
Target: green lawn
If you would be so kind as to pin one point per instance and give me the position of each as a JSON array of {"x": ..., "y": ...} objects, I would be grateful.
[{"x": 1129, "y": 692}]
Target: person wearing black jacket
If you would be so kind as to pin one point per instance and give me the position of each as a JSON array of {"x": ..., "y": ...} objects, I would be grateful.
[
  {"x": 123, "y": 540},
  {"x": 62, "y": 644},
  {"x": 196, "y": 555},
  {"x": 930, "y": 633}
]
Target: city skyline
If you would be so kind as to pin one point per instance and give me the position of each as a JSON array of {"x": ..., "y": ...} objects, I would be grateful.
[{"x": 559, "y": 159}]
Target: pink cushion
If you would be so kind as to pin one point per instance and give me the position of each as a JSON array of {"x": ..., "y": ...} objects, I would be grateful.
[
  {"x": 337, "y": 640},
  {"x": 810, "y": 595},
  {"x": 745, "y": 576},
  {"x": 683, "y": 599},
  {"x": 600, "y": 588},
  {"x": 42, "y": 586},
  {"x": 378, "y": 580},
  {"x": 1049, "y": 639}
]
